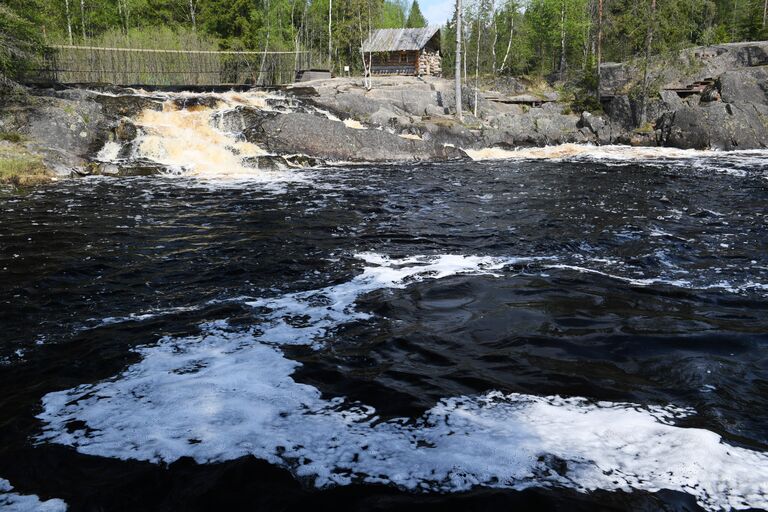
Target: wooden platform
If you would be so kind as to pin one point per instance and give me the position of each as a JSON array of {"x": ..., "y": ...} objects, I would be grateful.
[{"x": 694, "y": 88}]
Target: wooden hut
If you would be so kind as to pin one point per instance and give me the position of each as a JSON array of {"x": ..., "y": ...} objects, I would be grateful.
[{"x": 404, "y": 51}]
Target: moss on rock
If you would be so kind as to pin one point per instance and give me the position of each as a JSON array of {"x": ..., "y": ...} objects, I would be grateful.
[{"x": 21, "y": 168}]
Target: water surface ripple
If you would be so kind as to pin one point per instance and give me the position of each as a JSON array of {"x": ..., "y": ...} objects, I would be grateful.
[{"x": 426, "y": 333}]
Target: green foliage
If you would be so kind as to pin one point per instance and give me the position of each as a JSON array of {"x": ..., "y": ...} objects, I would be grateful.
[
  {"x": 512, "y": 37},
  {"x": 394, "y": 14},
  {"x": 11, "y": 136},
  {"x": 415, "y": 18},
  {"x": 164, "y": 38},
  {"x": 19, "y": 39}
]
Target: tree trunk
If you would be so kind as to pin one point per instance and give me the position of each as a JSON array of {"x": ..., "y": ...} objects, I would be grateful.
[
  {"x": 120, "y": 15},
  {"x": 493, "y": 47},
  {"x": 69, "y": 23},
  {"x": 82, "y": 17},
  {"x": 260, "y": 79},
  {"x": 648, "y": 43},
  {"x": 465, "y": 37},
  {"x": 765, "y": 12},
  {"x": 599, "y": 56},
  {"x": 122, "y": 9},
  {"x": 192, "y": 14},
  {"x": 330, "y": 43},
  {"x": 562, "y": 40},
  {"x": 477, "y": 62},
  {"x": 509, "y": 44},
  {"x": 457, "y": 77},
  {"x": 367, "y": 78}
]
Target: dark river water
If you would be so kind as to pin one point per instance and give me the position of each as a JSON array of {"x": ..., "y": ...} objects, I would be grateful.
[{"x": 518, "y": 334}]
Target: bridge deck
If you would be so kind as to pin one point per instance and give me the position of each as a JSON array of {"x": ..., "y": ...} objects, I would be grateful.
[{"x": 165, "y": 68}]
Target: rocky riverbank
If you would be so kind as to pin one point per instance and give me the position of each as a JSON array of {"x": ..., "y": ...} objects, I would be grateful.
[{"x": 408, "y": 118}]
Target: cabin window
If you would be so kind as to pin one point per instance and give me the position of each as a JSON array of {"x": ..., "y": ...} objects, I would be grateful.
[{"x": 403, "y": 57}]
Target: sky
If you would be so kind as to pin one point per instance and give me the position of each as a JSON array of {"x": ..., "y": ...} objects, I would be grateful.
[{"x": 437, "y": 11}]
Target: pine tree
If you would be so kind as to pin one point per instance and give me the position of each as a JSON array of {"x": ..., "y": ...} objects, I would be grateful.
[{"x": 415, "y": 18}]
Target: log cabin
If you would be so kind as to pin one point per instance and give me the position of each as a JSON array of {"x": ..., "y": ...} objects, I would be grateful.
[{"x": 404, "y": 51}]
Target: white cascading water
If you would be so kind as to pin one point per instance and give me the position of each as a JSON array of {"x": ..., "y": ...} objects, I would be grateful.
[{"x": 188, "y": 142}]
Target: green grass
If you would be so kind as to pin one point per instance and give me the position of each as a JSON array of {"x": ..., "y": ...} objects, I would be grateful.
[
  {"x": 21, "y": 168},
  {"x": 11, "y": 136}
]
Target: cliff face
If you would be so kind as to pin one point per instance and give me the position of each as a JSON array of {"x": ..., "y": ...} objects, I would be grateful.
[{"x": 708, "y": 97}]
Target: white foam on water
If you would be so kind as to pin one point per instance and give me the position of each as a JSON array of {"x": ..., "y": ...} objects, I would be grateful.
[
  {"x": 739, "y": 288},
  {"x": 14, "y": 502},
  {"x": 109, "y": 152},
  {"x": 613, "y": 152},
  {"x": 323, "y": 309},
  {"x": 229, "y": 393}
]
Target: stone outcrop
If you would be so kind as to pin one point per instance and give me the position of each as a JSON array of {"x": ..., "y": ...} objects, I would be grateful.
[
  {"x": 716, "y": 125},
  {"x": 320, "y": 137},
  {"x": 425, "y": 107},
  {"x": 62, "y": 127},
  {"x": 412, "y": 118},
  {"x": 729, "y": 113}
]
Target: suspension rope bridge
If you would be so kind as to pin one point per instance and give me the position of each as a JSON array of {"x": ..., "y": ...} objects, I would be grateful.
[{"x": 66, "y": 64}]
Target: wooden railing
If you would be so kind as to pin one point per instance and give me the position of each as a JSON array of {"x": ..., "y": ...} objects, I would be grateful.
[{"x": 135, "y": 66}]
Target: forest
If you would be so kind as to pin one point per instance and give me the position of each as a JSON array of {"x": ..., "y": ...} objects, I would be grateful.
[{"x": 501, "y": 37}]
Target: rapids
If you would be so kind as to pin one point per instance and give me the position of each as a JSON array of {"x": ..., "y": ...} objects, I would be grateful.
[{"x": 570, "y": 327}]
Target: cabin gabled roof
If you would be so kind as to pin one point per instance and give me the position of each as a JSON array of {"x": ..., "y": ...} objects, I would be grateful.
[{"x": 399, "y": 39}]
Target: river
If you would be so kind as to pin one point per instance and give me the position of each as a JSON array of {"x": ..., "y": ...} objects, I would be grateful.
[{"x": 570, "y": 328}]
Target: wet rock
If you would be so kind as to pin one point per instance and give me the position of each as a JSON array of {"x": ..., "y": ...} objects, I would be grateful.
[
  {"x": 196, "y": 102},
  {"x": 331, "y": 140},
  {"x": 125, "y": 130},
  {"x": 238, "y": 119},
  {"x": 126, "y": 106},
  {"x": 287, "y": 104},
  {"x": 300, "y": 161},
  {"x": 138, "y": 167},
  {"x": 265, "y": 162}
]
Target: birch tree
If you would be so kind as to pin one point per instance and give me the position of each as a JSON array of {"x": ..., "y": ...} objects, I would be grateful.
[
  {"x": 457, "y": 75},
  {"x": 69, "y": 22},
  {"x": 82, "y": 18},
  {"x": 648, "y": 45}
]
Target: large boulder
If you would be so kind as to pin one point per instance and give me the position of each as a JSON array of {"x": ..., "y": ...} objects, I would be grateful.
[
  {"x": 716, "y": 125},
  {"x": 64, "y": 127},
  {"x": 598, "y": 127},
  {"x": 537, "y": 127},
  {"x": 323, "y": 138},
  {"x": 744, "y": 86},
  {"x": 620, "y": 111}
]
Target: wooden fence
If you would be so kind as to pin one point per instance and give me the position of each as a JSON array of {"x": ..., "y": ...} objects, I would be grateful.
[{"x": 134, "y": 66}]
